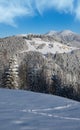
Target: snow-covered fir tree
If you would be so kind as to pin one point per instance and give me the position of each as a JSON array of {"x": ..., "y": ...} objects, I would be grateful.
[{"x": 12, "y": 76}]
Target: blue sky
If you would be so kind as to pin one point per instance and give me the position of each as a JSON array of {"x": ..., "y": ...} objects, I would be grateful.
[{"x": 38, "y": 16}]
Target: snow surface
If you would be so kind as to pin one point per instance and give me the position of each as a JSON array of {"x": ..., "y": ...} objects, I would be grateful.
[
  {"x": 23, "y": 110},
  {"x": 47, "y": 47}
]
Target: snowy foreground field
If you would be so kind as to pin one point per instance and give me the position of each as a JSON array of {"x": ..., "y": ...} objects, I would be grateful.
[{"x": 22, "y": 110}]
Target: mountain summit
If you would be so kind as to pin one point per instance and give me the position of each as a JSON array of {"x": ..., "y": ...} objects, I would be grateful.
[
  {"x": 66, "y": 36},
  {"x": 63, "y": 32},
  {"x": 66, "y": 32}
]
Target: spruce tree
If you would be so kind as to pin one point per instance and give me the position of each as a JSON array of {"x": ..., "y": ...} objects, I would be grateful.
[{"x": 12, "y": 76}]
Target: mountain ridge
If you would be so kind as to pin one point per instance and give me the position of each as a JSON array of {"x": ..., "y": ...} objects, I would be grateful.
[{"x": 66, "y": 32}]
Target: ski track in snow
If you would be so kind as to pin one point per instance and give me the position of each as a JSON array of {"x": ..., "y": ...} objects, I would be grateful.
[
  {"x": 45, "y": 112},
  {"x": 55, "y": 108}
]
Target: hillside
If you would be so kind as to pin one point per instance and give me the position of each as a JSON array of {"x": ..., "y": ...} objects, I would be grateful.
[
  {"x": 47, "y": 63},
  {"x": 23, "y": 110}
]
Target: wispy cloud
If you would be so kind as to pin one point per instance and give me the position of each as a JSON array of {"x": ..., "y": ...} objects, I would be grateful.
[
  {"x": 10, "y": 9},
  {"x": 60, "y": 5},
  {"x": 77, "y": 10}
]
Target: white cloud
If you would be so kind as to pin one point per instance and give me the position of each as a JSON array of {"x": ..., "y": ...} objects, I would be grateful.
[
  {"x": 77, "y": 10},
  {"x": 60, "y": 5},
  {"x": 10, "y": 9}
]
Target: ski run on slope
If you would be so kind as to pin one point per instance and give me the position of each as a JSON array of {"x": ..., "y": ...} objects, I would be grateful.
[{"x": 38, "y": 45}]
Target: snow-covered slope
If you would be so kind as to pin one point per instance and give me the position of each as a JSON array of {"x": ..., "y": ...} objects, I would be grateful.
[
  {"x": 22, "y": 110},
  {"x": 44, "y": 47}
]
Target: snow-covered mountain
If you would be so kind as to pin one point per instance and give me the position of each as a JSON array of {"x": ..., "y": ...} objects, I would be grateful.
[
  {"x": 22, "y": 110},
  {"x": 47, "y": 63}
]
